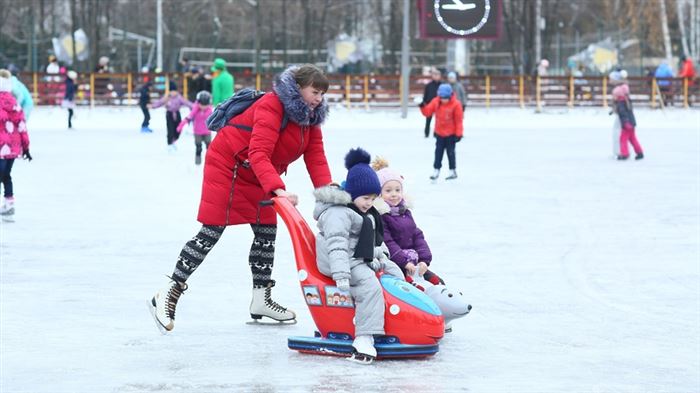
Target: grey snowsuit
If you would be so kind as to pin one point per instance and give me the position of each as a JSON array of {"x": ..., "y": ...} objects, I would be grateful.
[{"x": 339, "y": 234}]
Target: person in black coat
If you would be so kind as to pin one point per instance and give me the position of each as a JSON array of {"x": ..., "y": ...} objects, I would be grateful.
[
  {"x": 144, "y": 100},
  {"x": 197, "y": 83},
  {"x": 429, "y": 93}
]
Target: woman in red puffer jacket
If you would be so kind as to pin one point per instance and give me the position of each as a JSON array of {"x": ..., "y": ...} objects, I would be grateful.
[{"x": 242, "y": 168}]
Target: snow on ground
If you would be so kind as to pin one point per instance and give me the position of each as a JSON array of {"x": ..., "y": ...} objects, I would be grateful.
[{"x": 584, "y": 272}]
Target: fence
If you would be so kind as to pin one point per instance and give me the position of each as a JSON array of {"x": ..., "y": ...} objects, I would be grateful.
[{"x": 370, "y": 91}]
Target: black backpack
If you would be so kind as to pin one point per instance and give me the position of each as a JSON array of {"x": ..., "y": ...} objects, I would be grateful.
[{"x": 234, "y": 106}]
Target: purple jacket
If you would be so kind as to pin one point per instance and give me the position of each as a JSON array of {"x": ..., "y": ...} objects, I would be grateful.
[
  {"x": 401, "y": 235},
  {"x": 172, "y": 104}
]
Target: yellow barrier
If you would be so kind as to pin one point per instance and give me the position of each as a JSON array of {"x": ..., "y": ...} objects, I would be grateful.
[
  {"x": 128, "y": 89},
  {"x": 571, "y": 91},
  {"x": 347, "y": 91},
  {"x": 605, "y": 92},
  {"x": 185, "y": 86},
  {"x": 522, "y": 91},
  {"x": 488, "y": 91},
  {"x": 35, "y": 81},
  {"x": 258, "y": 82},
  {"x": 92, "y": 91},
  {"x": 653, "y": 93},
  {"x": 685, "y": 93}
]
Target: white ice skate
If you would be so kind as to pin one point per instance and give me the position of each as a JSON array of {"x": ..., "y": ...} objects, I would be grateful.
[
  {"x": 262, "y": 305},
  {"x": 163, "y": 303},
  {"x": 364, "y": 351},
  {"x": 452, "y": 175},
  {"x": 435, "y": 175},
  {"x": 7, "y": 211}
]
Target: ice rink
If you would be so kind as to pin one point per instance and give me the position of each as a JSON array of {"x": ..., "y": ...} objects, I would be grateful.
[{"x": 584, "y": 272}]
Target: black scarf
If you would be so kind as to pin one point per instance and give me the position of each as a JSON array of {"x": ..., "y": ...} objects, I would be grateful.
[{"x": 369, "y": 237}]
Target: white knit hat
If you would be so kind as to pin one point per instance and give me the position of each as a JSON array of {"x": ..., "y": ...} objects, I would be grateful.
[{"x": 5, "y": 81}]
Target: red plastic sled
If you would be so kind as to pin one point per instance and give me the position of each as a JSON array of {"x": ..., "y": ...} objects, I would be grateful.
[{"x": 413, "y": 322}]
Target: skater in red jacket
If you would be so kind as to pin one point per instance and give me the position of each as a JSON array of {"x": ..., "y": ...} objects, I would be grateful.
[
  {"x": 242, "y": 168},
  {"x": 448, "y": 127}
]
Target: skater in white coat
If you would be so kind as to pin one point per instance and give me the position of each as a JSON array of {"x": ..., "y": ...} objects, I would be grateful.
[{"x": 350, "y": 248}]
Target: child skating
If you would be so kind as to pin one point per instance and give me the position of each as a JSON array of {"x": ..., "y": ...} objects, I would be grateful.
[
  {"x": 14, "y": 142},
  {"x": 350, "y": 248},
  {"x": 173, "y": 101},
  {"x": 448, "y": 128},
  {"x": 625, "y": 112},
  {"x": 198, "y": 117}
]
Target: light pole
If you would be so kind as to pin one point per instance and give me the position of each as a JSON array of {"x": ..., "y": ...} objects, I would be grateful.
[
  {"x": 405, "y": 69},
  {"x": 159, "y": 34}
]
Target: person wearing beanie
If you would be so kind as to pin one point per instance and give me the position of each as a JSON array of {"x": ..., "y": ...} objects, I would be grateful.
[
  {"x": 222, "y": 82},
  {"x": 69, "y": 95},
  {"x": 243, "y": 167},
  {"x": 172, "y": 101},
  {"x": 350, "y": 247},
  {"x": 14, "y": 142},
  {"x": 457, "y": 88},
  {"x": 625, "y": 122},
  {"x": 429, "y": 93},
  {"x": 405, "y": 241},
  {"x": 144, "y": 104},
  {"x": 448, "y": 128}
]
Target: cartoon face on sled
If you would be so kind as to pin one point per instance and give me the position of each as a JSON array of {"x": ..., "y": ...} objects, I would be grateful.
[{"x": 413, "y": 322}]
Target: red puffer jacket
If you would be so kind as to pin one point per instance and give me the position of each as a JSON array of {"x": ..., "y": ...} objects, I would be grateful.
[
  {"x": 448, "y": 117},
  {"x": 245, "y": 160}
]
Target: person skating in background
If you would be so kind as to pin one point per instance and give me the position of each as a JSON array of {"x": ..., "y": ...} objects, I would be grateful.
[
  {"x": 457, "y": 88},
  {"x": 624, "y": 110},
  {"x": 405, "y": 241},
  {"x": 222, "y": 82},
  {"x": 14, "y": 142},
  {"x": 197, "y": 82},
  {"x": 688, "y": 72},
  {"x": 69, "y": 95},
  {"x": 350, "y": 248},
  {"x": 663, "y": 75},
  {"x": 173, "y": 101},
  {"x": 448, "y": 128},
  {"x": 617, "y": 80},
  {"x": 198, "y": 117},
  {"x": 429, "y": 93},
  {"x": 21, "y": 93},
  {"x": 144, "y": 102}
]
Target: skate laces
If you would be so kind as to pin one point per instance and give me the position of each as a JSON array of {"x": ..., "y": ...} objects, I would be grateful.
[
  {"x": 176, "y": 289},
  {"x": 271, "y": 303}
]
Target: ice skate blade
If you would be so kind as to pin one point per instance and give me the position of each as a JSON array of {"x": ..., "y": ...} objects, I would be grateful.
[
  {"x": 8, "y": 219},
  {"x": 360, "y": 358},
  {"x": 152, "y": 310},
  {"x": 270, "y": 321}
]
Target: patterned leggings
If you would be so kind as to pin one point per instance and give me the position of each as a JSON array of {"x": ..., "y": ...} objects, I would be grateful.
[{"x": 261, "y": 258}]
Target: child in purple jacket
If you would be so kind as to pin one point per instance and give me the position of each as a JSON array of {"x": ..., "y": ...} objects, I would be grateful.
[
  {"x": 173, "y": 101},
  {"x": 406, "y": 243}
]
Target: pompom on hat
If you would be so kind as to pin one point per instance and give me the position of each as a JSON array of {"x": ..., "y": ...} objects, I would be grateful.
[
  {"x": 361, "y": 179},
  {"x": 384, "y": 173}
]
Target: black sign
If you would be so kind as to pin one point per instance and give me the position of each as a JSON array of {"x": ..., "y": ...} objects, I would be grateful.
[{"x": 469, "y": 19}]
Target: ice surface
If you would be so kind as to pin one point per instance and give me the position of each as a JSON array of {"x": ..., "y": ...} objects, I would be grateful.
[{"x": 584, "y": 272}]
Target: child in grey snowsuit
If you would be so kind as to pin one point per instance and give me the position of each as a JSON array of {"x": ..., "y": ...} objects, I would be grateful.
[{"x": 350, "y": 247}]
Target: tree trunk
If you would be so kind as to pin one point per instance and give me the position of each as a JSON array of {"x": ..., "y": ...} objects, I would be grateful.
[
  {"x": 73, "y": 17},
  {"x": 538, "y": 36},
  {"x": 664, "y": 29},
  {"x": 681, "y": 26},
  {"x": 284, "y": 33}
]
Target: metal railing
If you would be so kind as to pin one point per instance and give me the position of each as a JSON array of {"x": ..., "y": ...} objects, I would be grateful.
[{"x": 372, "y": 91}]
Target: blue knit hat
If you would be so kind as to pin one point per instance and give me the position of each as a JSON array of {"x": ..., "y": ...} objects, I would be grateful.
[
  {"x": 361, "y": 180},
  {"x": 445, "y": 90}
]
